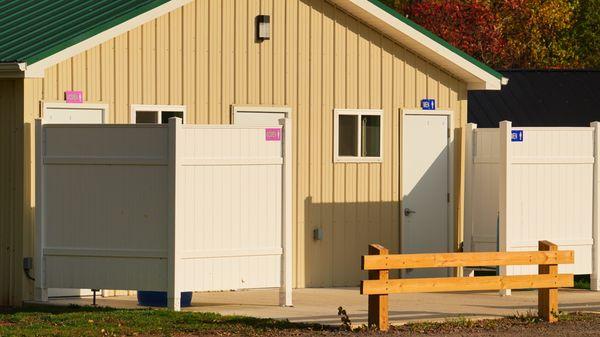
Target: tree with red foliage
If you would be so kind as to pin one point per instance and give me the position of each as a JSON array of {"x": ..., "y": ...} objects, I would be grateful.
[
  {"x": 471, "y": 26},
  {"x": 514, "y": 33}
]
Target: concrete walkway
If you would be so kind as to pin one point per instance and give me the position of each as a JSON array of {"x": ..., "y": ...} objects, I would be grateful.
[{"x": 320, "y": 305}]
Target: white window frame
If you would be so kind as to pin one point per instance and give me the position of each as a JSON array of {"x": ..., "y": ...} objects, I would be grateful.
[
  {"x": 359, "y": 158},
  {"x": 159, "y": 110}
]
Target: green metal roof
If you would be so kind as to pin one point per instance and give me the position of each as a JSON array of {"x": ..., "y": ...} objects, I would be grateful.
[
  {"x": 31, "y": 30},
  {"x": 437, "y": 39}
]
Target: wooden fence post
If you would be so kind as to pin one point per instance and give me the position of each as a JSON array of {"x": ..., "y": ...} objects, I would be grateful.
[
  {"x": 548, "y": 298},
  {"x": 378, "y": 304}
]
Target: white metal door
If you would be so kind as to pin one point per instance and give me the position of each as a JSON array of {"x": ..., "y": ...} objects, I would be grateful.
[
  {"x": 425, "y": 172},
  {"x": 258, "y": 118},
  {"x": 259, "y": 115},
  {"x": 63, "y": 113},
  {"x": 60, "y": 113}
]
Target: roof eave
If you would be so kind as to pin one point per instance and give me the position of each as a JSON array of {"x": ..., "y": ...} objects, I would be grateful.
[
  {"x": 37, "y": 67},
  {"x": 477, "y": 77},
  {"x": 12, "y": 69},
  {"x": 491, "y": 84}
]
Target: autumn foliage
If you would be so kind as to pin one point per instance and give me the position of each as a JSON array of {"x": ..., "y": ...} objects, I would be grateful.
[
  {"x": 514, "y": 33},
  {"x": 538, "y": 33},
  {"x": 471, "y": 26}
]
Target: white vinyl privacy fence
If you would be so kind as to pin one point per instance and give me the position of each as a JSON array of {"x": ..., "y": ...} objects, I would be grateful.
[
  {"x": 534, "y": 183},
  {"x": 163, "y": 208}
]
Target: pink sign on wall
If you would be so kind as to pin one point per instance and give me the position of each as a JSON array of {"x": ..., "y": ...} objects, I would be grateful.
[
  {"x": 272, "y": 134},
  {"x": 74, "y": 96}
]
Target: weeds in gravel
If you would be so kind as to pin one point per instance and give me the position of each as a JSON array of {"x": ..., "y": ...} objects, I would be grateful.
[
  {"x": 458, "y": 323},
  {"x": 346, "y": 322},
  {"x": 461, "y": 322},
  {"x": 527, "y": 317}
]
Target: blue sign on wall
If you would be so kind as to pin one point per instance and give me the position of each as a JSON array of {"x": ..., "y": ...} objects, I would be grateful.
[
  {"x": 516, "y": 135},
  {"x": 428, "y": 104}
]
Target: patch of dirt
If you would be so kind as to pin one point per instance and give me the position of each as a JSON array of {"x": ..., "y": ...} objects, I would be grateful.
[{"x": 579, "y": 324}]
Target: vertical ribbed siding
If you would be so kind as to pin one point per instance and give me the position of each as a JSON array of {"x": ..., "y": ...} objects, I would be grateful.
[
  {"x": 7, "y": 204},
  {"x": 32, "y": 95},
  {"x": 319, "y": 58},
  {"x": 11, "y": 191}
]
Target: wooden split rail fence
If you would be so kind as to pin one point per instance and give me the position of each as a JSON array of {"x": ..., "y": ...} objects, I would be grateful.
[{"x": 379, "y": 286}]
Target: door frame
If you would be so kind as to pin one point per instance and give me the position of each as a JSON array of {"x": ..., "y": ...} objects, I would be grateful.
[
  {"x": 451, "y": 219},
  {"x": 62, "y": 105},
  {"x": 237, "y": 109}
]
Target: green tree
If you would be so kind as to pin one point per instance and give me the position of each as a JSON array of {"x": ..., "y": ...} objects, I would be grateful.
[
  {"x": 587, "y": 33},
  {"x": 539, "y": 33}
]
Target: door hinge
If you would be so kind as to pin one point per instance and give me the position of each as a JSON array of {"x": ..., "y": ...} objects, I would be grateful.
[
  {"x": 448, "y": 197},
  {"x": 448, "y": 133}
]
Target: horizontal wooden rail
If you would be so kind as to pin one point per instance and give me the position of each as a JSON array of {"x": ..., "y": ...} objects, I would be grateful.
[
  {"x": 441, "y": 260},
  {"x": 434, "y": 285},
  {"x": 548, "y": 280}
]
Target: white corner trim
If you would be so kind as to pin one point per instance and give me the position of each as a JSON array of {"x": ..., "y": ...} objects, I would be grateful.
[
  {"x": 37, "y": 69},
  {"x": 474, "y": 76}
]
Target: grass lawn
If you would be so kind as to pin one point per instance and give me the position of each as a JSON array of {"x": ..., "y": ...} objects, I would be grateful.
[
  {"x": 582, "y": 282},
  {"x": 90, "y": 321}
]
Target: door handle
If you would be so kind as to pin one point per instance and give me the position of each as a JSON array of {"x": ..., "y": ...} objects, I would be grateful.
[{"x": 408, "y": 212}]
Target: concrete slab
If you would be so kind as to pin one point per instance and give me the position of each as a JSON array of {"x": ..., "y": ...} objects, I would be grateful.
[{"x": 320, "y": 305}]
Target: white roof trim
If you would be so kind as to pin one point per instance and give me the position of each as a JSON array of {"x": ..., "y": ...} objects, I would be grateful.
[
  {"x": 475, "y": 77},
  {"x": 37, "y": 69},
  {"x": 12, "y": 70}
]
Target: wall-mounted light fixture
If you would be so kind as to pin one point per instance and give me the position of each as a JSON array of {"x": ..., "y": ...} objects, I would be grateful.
[{"x": 263, "y": 27}]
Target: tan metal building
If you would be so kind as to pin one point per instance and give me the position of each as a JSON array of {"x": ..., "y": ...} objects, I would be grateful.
[{"x": 350, "y": 73}]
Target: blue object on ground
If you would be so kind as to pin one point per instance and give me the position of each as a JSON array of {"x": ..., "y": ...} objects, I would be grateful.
[{"x": 159, "y": 298}]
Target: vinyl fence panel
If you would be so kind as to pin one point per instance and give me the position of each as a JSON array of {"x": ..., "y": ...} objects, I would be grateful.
[
  {"x": 551, "y": 194},
  {"x": 232, "y": 196},
  {"x": 165, "y": 208},
  {"x": 103, "y": 207},
  {"x": 530, "y": 184},
  {"x": 482, "y": 191}
]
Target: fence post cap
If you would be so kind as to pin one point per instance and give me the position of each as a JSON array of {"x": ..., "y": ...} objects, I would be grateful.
[
  {"x": 544, "y": 244},
  {"x": 377, "y": 249}
]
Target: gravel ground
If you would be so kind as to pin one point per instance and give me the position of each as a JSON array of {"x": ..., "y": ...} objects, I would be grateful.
[{"x": 579, "y": 324}]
